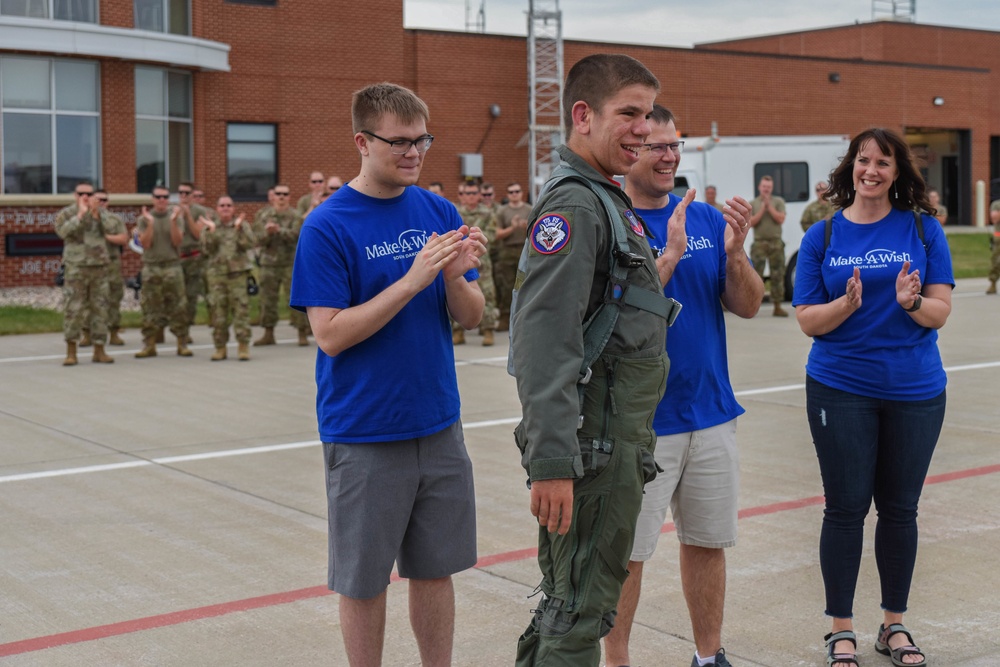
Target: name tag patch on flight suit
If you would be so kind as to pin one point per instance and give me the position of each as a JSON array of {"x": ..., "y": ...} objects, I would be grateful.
[
  {"x": 550, "y": 233},
  {"x": 634, "y": 223}
]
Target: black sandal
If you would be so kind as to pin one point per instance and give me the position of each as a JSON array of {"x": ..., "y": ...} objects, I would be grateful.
[
  {"x": 843, "y": 658},
  {"x": 897, "y": 654}
]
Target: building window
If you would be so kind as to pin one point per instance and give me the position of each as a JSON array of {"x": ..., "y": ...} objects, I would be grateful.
[
  {"x": 173, "y": 16},
  {"x": 791, "y": 179},
  {"x": 251, "y": 160},
  {"x": 64, "y": 10},
  {"x": 51, "y": 124},
  {"x": 163, "y": 137}
]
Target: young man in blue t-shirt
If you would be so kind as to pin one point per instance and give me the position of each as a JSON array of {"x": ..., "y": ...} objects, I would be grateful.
[
  {"x": 380, "y": 266},
  {"x": 704, "y": 266}
]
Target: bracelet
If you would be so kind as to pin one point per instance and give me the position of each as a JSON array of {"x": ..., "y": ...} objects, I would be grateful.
[{"x": 915, "y": 306}]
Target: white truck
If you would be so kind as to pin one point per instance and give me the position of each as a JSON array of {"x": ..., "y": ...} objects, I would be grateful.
[{"x": 734, "y": 166}]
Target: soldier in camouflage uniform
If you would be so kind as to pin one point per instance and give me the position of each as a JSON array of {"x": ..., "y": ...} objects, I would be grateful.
[
  {"x": 512, "y": 228},
  {"x": 192, "y": 263},
  {"x": 767, "y": 247},
  {"x": 475, "y": 214},
  {"x": 163, "y": 299},
  {"x": 225, "y": 247},
  {"x": 995, "y": 245},
  {"x": 85, "y": 258},
  {"x": 116, "y": 286},
  {"x": 819, "y": 209},
  {"x": 277, "y": 235},
  {"x": 315, "y": 197}
]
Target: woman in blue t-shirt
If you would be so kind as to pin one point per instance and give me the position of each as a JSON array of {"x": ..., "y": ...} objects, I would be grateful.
[{"x": 872, "y": 294}]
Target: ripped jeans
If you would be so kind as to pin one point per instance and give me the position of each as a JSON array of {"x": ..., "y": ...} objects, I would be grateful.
[{"x": 870, "y": 448}]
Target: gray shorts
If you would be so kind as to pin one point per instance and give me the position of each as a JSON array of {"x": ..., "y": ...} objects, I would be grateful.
[
  {"x": 700, "y": 483},
  {"x": 411, "y": 502}
]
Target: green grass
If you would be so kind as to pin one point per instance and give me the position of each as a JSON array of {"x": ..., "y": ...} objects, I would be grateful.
[
  {"x": 24, "y": 319},
  {"x": 970, "y": 254}
]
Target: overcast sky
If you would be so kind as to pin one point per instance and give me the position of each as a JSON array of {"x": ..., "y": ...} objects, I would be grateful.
[{"x": 687, "y": 22}]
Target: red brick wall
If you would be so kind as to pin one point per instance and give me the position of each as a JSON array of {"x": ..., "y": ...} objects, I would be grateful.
[{"x": 297, "y": 63}]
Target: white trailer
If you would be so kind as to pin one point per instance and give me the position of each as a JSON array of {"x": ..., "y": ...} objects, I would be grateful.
[{"x": 734, "y": 166}]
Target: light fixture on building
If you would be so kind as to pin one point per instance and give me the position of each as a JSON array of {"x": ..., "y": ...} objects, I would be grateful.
[
  {"x": 939, "y": 101},
  {"x": 833, "y": 77}
]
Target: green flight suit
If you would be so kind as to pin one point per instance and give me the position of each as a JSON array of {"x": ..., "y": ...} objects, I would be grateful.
[{"x": 610, "y": 454}]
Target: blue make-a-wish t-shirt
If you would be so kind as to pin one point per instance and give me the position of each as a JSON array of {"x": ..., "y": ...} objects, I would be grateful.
[
  {"x": 400, "y": 382},
  {"x": 698, "y": 394},
  {"x": 879, "y": 351}
]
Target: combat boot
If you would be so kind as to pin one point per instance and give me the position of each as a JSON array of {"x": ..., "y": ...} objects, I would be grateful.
[
  {"x": 84, "y": 338},
  {"x": 160, "y": 338},
  {"x": 100, "y": 357},
  {"x": 779, "y": 311},
  {"x": 182, "y": 348},
  {"x": 70, "y": 359},
  {"x": 458, "y": 337},
  {"x": 114, "y": 338},
  {"x": 149, "y": 348},
  {"x": 243, "y": 352},
  {"x": 992, "y": 289},
  {"x": 487, "y": 337},
  {"x": 267, "y": 338},
  {"x": 220, "y": 354},
  {"x": 303, "y": 338}
]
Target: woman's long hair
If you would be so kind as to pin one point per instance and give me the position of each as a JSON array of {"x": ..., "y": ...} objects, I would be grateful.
[{"x": 908, "y": 193}]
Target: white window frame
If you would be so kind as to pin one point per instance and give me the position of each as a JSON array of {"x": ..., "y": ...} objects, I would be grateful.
[
  {"x": 52, "y": 112},
  {"x": 166, "y": 119}
]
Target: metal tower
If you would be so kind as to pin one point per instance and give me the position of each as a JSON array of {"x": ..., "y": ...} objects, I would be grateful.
[
  {"x": 904, "y": 11},
  {"x": 475, "y": 22},
  {"x": 545, "y": 90}
]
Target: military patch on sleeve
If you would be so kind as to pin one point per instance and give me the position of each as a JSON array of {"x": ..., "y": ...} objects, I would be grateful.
[
  {"x": 550, "y": 233},
  {"x": 634, "y": 223}
]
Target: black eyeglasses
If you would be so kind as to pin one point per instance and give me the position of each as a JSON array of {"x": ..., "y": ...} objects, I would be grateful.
[
  {"x": 102, "y": 199},
  {"x": 161, "y": 196},
  {"x": 402, "y": 146},
  {"x": 317, "y": 182},
  {"x": 84, "y": 194},
  {"x": 184, "y": 192},
  {"x": 281, "y": 194},
  {"x": 487, "y": 194},
  {"x": 514, "y": 192}
]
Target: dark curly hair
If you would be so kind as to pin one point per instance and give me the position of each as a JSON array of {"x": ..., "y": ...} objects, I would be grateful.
[{"x": 909, "y": 184}]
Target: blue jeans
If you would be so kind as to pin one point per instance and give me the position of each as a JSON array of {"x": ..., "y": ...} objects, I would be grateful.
[{"x": 870, "y": 448}]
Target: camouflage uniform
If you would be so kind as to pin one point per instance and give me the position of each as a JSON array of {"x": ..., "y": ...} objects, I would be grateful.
[
  {"x": 277, "y": 254},
  {"x": 302, "y": 207},
  {"x": 163, "y": 299},
  {"x": 192, "y": 263},
  {"x": 116, "y": 286},
  {"x": 768, "y": 247},
  {"x": 227, "y": 268},
  {"x": 85, "y": 259},
  {"x": 816, "y": 211},
  {"x": 509, "y": 252},
  {"x": 483, "y": 218},
  {"x": 995, "y": 259}
]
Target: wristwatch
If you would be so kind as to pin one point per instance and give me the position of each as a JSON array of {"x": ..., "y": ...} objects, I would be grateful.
[{"x": 915, "y": 306}]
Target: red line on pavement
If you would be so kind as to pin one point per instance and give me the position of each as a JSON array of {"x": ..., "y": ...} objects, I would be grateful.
[{"x": 210, "y": 611}]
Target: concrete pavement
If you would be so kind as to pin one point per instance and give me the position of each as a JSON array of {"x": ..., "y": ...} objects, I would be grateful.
[{"x": 171, "y": 511}]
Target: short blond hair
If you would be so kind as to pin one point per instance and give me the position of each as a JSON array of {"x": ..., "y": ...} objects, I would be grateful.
[{"x": 372, "y": 103}]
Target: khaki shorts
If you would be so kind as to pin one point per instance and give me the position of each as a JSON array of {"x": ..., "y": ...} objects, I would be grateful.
[{"x": 700, "y": 483}]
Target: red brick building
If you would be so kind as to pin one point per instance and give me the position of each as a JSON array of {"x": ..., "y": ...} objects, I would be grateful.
[{"x": 234, "y": 94}]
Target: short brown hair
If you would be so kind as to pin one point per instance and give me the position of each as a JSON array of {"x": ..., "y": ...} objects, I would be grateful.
[
  {"x": 370, "y": 104},
  {"x": 599, "y": 77},
  {"x": 662, "y": 115}
]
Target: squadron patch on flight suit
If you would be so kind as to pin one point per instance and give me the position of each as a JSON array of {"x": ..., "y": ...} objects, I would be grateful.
[
  {"x": 634, "y": 223},
  {"x": 550, "y": 233}
]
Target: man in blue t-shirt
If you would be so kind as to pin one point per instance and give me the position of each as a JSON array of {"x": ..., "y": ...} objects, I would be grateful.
[
  {"x": 695, "y": 422},
  {"x": 379, "y": 267}
]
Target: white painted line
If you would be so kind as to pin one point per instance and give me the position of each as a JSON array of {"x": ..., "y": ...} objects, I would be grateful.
[{"x": 264, "y": 449}]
